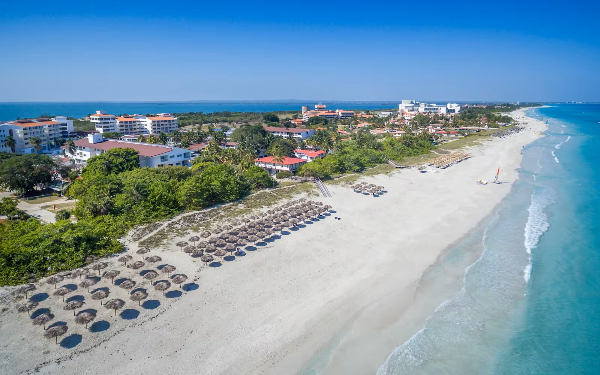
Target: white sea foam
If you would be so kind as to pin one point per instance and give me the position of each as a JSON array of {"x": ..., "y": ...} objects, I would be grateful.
[
  {"x": 557, "y": 146},
  {"x": 537, "y": 224},
  {"x": 555, "y": 158}
]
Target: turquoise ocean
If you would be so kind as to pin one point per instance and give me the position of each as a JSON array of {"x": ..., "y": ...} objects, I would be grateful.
[
  {"x": 531, "y": 302},
  {"x": 12, "y": 111}
]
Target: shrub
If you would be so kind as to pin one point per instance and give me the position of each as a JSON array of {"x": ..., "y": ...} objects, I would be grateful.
[
  {"x": 63, "y": 215},
  {"x": 283, "y": 174}
]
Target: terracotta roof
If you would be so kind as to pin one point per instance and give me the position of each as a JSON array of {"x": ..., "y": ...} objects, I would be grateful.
[
  {"x": 286, "y": 160},
  {"x": 309, "y": 153},
  {"x": 126, "y": 119},
  {"x": 26, "y": 123},
  {"x": 143, "y": 149},
  {"x": 101, "y": 115},
  {"x": 197, "y": 146},
  {"x": 231, "y": 143},
  {"x": 285, "y": 130}
]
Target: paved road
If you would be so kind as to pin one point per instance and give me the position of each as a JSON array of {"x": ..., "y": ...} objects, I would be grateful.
[{"x": 36, "y": 210}]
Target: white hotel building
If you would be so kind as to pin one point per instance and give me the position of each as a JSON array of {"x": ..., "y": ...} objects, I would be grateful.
[
  {"x": 135, "y": 124},
  {"x": 47, "y": 130},
  {"x": 151, "y": 155},
  {"x": 426, "y": 108}
]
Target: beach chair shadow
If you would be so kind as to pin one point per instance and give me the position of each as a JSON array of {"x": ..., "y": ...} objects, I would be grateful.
[
  {"x": 215, "y": 264},
  {"x": 251, "y": 248},
  {"x": 229, "y": 258},
  {"x": 190, "y": 287}
]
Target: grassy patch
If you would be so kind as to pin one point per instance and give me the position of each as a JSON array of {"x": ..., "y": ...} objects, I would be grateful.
[
  {"x": 61, "y": 206},
  {"x": 39, "y": 200}
]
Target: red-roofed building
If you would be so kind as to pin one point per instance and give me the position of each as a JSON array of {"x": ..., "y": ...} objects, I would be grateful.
[
  {"x": 288, "y": 164},
  {"x": 22, "y": 131},
  {"x": 151, "y": 155},
  {"x": 309, "y": 155}
]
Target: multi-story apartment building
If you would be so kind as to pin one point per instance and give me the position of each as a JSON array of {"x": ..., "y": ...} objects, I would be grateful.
[
  {"x": 135, "y": 124},
  {"x": 103, "y": 122},
  {"x": 66, "y": 126},
  {"x": 290, "y": 132},
  {"x": 151, "y": 155},
  {"x": 23, "y": 131},
  {"x": 320, "y": 110}
]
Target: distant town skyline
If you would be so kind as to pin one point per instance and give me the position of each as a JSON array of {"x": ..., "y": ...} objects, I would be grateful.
[{"x": 344, "y": 51}]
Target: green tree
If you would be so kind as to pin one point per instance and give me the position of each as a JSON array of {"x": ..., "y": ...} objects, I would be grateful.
[
  {"x": 11, "y": 143},
  {"x": 282, "y": 147},
  {"x": 270, "y": 117},
  {"x": 317, "y": 121},
  {"x": 36, "y": 142},
  {"x": 163, "y": 138},
  {"x": 111, "y": 135},
  {"x": 71, "y": 147},
  {"x": 141, "y": 138},
  {"x": 117, "y": 160},
  {"x": 254, "y": 136},
  {"x": 63, "y": 215},
  {"x": 23, "y": 173},
  {"x": 258, "y": 178}
]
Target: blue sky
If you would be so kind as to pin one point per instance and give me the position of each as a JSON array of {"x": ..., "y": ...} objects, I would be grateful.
[{"x": 151, "y": 50}]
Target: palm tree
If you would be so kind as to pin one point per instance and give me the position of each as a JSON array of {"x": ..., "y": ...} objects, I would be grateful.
[
  {"x": 10, "y": 142},
  {"x": 162, "y": 138},
  {"x": 141, "y": 138},
  {"x": 36, "y": 142},
  {"x": 71, "y": 146}
]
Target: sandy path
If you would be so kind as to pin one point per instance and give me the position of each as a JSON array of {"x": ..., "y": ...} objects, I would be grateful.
[{"x": 272, "y": 310}]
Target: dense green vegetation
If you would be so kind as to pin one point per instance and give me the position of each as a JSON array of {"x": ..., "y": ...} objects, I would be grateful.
[
  {"x": 365, "y": 150},
  {"x": 83, "y": 125},
  {"x": 22, "y": 173},
  {"x": 200, "y": 118}
]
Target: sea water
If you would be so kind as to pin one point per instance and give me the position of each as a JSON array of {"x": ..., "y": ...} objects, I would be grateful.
[
  {"x": 531, "y": 302},
  {"x": 12, "y": 111}
]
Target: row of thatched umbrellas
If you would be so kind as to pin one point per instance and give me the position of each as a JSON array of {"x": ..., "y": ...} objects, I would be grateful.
[
  {"x": 221, "y": 240},
  {"x": 85, "y": 317},
  {"x": 363, "y": 187}
]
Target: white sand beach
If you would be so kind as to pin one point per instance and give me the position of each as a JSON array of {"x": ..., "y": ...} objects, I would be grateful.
[{"x": 273, "y": 310}]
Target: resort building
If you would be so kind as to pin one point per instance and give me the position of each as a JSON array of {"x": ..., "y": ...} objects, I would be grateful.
[
  {"x": 309, "y": 155},
  {"x": 320, "y": 110},
  {"x": 288, "y": 164},
  {"x": 22, "y": 131},
  {"x": 411, "y": 105},
  {"x": 290, "y": 132},
  {"x": 103, "y": 122},
  {"x": 135, "y": 124},
  {"x": 66, "y": 126},
  {"x": 151, "y": 155}
]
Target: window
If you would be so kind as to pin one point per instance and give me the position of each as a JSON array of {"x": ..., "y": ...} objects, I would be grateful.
[{"x": 172, "y": 156}]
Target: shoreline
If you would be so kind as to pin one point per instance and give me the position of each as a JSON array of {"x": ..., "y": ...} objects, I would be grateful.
[{"x": 271, "y": 311}]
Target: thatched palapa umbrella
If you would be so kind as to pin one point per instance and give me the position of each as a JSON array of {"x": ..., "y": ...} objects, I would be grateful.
[
  {"x": 25, "y": 289},
  {"x": 253, "y": 239},
  {"x": 142, "y": 250},
  {"x": 115, "y": 304},
  {"x": 240, "y": 242},
  {"x": 189, "y": 249},
  {"x": 150, "y": 275},
  {"x": 73, "y": 305},
  {"x": 168, "y": 269},
  {"x": 62, "y": 291},
  {"x": 87, "y": 282},
  {"x": 217, "y": 230},
  {"x": 211, "y": 248},
  {"x": 99, "y": 266},
  {"x": 111, "y": 275},
  {"x": 181, "y": 244},
  {"x": 213, "y": 240},
  {"x": 139, "y": 296},
  {"x": 206, "y": 258},
  {"x": 55, "y": 332},
  {"x": 220, "y": 253},
  {"x": 194, "y": 239},
  {"x": 230, "y": 247},
  {"x": 162, "y": 286},
  {"x": 80, "y": 272},
  {"x": 85, "y": 317},
  {"x": 124, "y": 259},
  {"x": 179, "y": 279},
  {"x": 127, "y": 284},
  {"x": 197, "y": 253},
  {"x": 100, "y": 295},
  {"x": 53, "y": 280},
  {"x": 154, "y": 259},
  {"x": 27, "y": 306},
  {"x": 42, "y": 319},
  {"x": 205, "y": 234},
  {"x": 136, "y": 265},
  {"x": 221, "y": 243}
]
